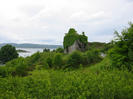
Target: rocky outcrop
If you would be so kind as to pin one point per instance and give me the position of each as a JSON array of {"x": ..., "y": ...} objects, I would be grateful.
[{"x": 77, "y": 45}]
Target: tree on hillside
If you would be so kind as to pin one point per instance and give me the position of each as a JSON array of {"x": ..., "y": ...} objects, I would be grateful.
[
  {"x": 122, "y": 52},
  {"x": 7, "y": 53}
]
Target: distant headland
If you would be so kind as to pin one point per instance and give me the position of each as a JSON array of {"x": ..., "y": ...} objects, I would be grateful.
[{"x": 30, "y": 45}]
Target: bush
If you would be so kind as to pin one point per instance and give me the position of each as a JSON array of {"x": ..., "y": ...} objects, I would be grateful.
[
  {"x": 75, "y": 59},
  {"x": 7, "y": 53},
  {"x": 33, "y": 59},
  {"x": 21, "y": 67},
  {"x": 46, "y": 50},
  {"x": 92, "y": 56},
  {"x": 78, "y": 84},
  {"x": 59, "y": 50},
  {"x": 3, "y": 71},
  {"x": 18, "y": 67},
  {"x": 58, "y": 62},
  {"x": 49, "y": 62},
  {"x": 122, "y": 52}
]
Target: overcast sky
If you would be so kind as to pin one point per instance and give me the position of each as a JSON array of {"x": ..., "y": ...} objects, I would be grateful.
[{"x": 46, "y": 21}]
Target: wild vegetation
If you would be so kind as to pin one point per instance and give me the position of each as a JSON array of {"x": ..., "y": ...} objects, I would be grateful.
[
  {"x": 79, "y": 75},
  {"x": 122, "y": 52},
  {"x": 7, "y": 53}
]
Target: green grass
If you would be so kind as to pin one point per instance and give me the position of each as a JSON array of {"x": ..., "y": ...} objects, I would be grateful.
[{"x": 94, "y": 82}]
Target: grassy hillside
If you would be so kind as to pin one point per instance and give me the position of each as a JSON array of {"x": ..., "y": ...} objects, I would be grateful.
[
  {"x": 53, "y": 75},
  {"x": 79, "y": 75},
  {"x": 94, "y": 82},
  {"x": 96, "y": 45}
]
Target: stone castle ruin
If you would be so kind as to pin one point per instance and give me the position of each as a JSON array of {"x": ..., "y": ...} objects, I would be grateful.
[{"x": 74, "y": 41}]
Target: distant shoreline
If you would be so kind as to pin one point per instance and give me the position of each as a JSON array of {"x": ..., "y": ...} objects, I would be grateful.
[
  {"x": 22, "y": 51},
  {"x": 27, "y": 45}
]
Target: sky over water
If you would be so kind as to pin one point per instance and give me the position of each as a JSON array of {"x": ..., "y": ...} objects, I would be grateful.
[{"x": 47, "y": 21}]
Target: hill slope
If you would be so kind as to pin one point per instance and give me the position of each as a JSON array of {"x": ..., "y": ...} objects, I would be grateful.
[{"x": 28, "y": 45}]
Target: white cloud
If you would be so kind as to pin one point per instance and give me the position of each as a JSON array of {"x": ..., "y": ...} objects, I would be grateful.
[
  {"x": 46, "y": 21},
  {"x": 84, "y": 16}
]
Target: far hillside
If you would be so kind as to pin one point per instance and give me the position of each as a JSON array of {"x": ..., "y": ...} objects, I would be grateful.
[
  {"x": 29, "y": 45},
  {"x": 96, "y": 45}
]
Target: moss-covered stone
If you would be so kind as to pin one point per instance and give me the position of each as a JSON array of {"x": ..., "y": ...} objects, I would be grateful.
[{"x": 72, "y": 36}]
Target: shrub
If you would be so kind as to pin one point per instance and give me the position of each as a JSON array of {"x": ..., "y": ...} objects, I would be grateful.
[
  {"x": 46, "y": 59},
  {"x": 46, "y": 50},
  {"x": 75, "y": 59},
  {"x": 77, "y": 84},
  {"x": 21, "y": 67},
  {"x": 17, "y": 66},
  {"x": 122, "y": 52},
  {"x": 92, "y": 56},
  {"x": 33, "y": 59},
  {"x": 7, "y": 53},
  {"x": 107, "y": 47},
  {"x": 3, "y": 71},
  {"x": 49, "y": 62},
  {"x": 58, "y": 62},
  {"x": 59, "y": 50}
]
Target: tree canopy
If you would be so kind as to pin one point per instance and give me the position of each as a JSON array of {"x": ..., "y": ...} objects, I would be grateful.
[
  {"x": 122, "y": 52},
  {"x": 7, "y": 53}
]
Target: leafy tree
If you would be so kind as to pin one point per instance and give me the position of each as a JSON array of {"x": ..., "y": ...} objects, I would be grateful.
[
  {"x": 60, "y": 50},
  {"x": 106, "y": 47},
  {"x": 122, "y": 52},
  {"x": 46, "y": 50},
  {"x": 7, "y": 53}
]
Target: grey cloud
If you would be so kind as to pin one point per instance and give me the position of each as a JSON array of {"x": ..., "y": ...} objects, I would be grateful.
[
  {"x": 47, "y": 21},
  {"x": 31, "y": 10}
]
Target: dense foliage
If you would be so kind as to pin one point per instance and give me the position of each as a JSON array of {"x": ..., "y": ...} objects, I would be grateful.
[
  {"x": 92, "y": 56},
  {"x": 46, "y": 50},
  {"x": 59, "y": 50},
  {"x": 7, "y": 53},
  {"x": 96, "y": 45},
  {"x": 77, "y": 84},
  {"x": 122, "y": 52},
  {"x": 21, "y": 66},
  {"x": 72, "y": 36},
  {"x": 79, "y": 75},
  {"x": 74, "y": 60},
  {"x": 58, "y": 61}
]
